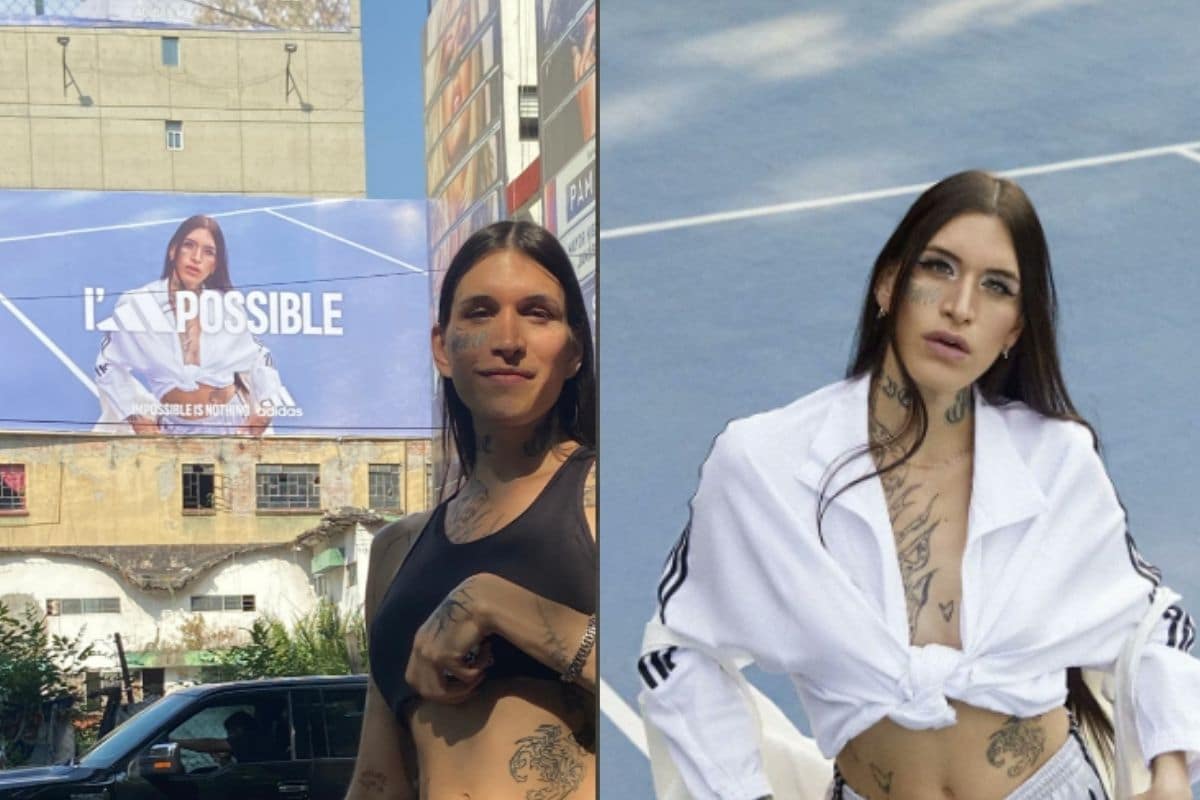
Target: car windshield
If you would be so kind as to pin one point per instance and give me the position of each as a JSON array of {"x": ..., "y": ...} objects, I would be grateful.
[{"x": 121, "y": 740}]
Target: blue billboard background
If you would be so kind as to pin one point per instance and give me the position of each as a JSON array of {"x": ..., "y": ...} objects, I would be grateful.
[{"x": 373, "y": 376}]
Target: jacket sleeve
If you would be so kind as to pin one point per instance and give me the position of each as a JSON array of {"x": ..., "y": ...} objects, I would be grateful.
[
  {"x": 263, "y": 379},
  {"x": 1166, "y": 690},
  {"x": 121, "y": 394},
  {"x": 1167, "y": 678},
  {"x": 706, "y": 598}
]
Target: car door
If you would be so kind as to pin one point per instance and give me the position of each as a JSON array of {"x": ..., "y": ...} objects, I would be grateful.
[
  {"x": 235, "y": 745},
  {"x": 328, "y": 724}
]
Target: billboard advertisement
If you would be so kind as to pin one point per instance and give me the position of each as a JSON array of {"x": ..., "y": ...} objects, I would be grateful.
[
  {"x": 213, "y": 314},
  {"x": 266, "y": 15}
]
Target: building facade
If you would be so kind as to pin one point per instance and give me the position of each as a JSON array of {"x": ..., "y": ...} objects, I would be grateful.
[{"x": 270, "y": 107}]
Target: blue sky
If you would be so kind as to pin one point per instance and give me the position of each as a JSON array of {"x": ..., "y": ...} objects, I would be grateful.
[{"x": 391, "y": 41}]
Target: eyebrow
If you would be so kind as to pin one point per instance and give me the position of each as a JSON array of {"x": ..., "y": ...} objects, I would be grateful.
[
  {"x": 1002, "y": 271},
  {"x": 487, "y": 299}
]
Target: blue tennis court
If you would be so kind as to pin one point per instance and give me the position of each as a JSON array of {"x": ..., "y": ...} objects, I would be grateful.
[{"x": 755, "y": 156}]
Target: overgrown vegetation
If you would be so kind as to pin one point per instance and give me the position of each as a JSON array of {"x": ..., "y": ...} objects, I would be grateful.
[
  {"x": 34, "y": 667},
  {"x": 324, "y": 642}
]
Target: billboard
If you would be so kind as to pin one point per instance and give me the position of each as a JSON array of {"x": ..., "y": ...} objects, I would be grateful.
[
  {"x": 213, "y": 314},
  {"x": 567, "y": 129},
  {"x": 266, "y": 15}
]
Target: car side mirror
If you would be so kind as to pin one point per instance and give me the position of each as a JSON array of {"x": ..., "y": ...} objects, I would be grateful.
[{"x": 160, "y": 759}]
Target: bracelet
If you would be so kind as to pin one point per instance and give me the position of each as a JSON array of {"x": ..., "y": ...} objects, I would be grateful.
[{"x": 581, "y": 655}]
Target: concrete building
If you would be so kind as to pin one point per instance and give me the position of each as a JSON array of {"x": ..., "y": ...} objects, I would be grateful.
[
  {"x": 182, "y": 109},
  {"x": 179, "y": 543}
]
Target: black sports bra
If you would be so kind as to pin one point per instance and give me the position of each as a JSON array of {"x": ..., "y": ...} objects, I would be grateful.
[{"x": 548, "y": 549}]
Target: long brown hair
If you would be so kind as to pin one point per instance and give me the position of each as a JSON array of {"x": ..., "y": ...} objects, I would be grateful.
[{"x": 1031, "y": 373}]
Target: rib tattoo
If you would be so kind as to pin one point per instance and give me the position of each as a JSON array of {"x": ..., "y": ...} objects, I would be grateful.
[
  {"x": 1017, "y": 745},
  {"x": 553, "y": 760}
]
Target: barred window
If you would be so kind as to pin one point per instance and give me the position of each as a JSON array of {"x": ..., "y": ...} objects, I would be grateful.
[
  {"x": 284, "y": 486},
  {"x": 12, "y": 487},
  {"x": 56, "y": 606},
  {"x": 384, "y": 487},
  {"x": 198, "y": 485},
  {"x": 223, "y": 602}
]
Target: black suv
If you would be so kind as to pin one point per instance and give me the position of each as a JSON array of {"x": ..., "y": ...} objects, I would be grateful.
[{"x": 292, "y": 738}]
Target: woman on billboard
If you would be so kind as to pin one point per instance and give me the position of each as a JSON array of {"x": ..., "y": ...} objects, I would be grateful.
[
  {"x": 482, "y": 614},
  {"x": 931, "y": 549},
  {"x": 161, "y": 371}
]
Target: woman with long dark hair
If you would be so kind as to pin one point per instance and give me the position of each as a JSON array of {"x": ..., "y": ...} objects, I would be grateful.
[
  {"x": 931, "y": 549},
  {"x": 159, "y": 369},
  {"x": 482, "y": 614}
]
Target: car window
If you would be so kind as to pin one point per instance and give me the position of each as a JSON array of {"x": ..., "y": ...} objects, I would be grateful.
[
  {"x": 343, "y": 720},
  {"x": 247, "y": 729},
  {"x": 328, "y": 721}
]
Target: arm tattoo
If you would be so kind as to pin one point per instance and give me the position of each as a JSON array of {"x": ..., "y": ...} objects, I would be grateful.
[
  {"x": 455, "y": 608},
  {"x": 1017, "y": 745},
  {"x": 555, "y": 645},
  {"x": 883, "y": 779},
  {"x": 374, "y": 781},
  {"x": 554, "y": 761}
]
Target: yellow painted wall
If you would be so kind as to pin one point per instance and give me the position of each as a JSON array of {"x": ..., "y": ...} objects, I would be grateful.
[
  {"x": 108, "y": 490},
  {"x": 241, "y": 133}
]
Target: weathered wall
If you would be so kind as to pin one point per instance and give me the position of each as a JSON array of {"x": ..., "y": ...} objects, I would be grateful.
[
  {"x": 241, "y": 132},
  {"x": 84, "y": 490}
]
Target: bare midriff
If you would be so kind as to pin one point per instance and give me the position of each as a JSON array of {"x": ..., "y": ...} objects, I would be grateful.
[
  {"x": 983, "y": 756},
  {"x": 199, "y": 397},
  {"x": 514, "y": 739}
]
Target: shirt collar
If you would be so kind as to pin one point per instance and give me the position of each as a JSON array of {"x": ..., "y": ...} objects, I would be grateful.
[{"x": 1003, "y": 492}]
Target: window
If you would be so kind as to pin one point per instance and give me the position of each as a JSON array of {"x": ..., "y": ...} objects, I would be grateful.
[
  {"x": 384, "y": 487},
  {"x": 527, "y": 113},
  {"x": 198, "y": 482},
  {"x": 174, "y": 134},
  {"x": 223, "y": 602},
  {"x": 56, "y": 606},
  {"x": 328, "y": 722},
  {"x": 170, "y": 51},
  {"x": 254, "y": 728},
  {"x": 12, "y": 487},
  {"x": 288, "y": 486}
]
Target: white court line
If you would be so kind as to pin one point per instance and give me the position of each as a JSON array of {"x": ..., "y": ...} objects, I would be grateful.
[
  {"x": 879, "y": 194},
  {"x": 46, "y": 340},
  {"x": 624, "y": 717},
  {"x": 175, "y": 221},
  {"x": 337, "y": 238},
  {"x": 1188, "y": 154}
]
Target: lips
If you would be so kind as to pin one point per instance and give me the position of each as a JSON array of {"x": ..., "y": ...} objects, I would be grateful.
[
  {"x": 506, "y": 375},
  {"x": 948, "y": 339}
]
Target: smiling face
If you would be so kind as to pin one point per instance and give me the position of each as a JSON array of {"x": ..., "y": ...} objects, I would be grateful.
[
  {"x": 962, "y": 306},
  {"x": 507, "y": 346},
  {"x": 194, "y": 258}
]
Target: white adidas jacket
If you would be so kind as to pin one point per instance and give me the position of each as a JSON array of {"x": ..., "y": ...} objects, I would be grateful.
[{"x": 1051, "y": 579}]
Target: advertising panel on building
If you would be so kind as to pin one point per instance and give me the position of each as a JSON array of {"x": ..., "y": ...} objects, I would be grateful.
[
  {"x": 213, "y": 314},
  {"x": 567, "y": 100},
  {"x": 286, "y": 15},
  {"x": 463, "y": 137}
]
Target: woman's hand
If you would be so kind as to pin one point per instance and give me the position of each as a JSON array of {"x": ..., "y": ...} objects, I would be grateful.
[
  {"x": 256, "y": 425},
  {"x": 449, "y": 656},
  {"x": 1170, "y": 779}
]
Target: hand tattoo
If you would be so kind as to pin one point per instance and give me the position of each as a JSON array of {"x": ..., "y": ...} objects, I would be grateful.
[{"x": 454, "y": 609}]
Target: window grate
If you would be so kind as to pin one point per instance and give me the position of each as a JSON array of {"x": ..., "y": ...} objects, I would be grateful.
[
  {"x": 12, "y": 487},
  {"x": 384, "y": 487},
  {"x": 288, "y": 486}
]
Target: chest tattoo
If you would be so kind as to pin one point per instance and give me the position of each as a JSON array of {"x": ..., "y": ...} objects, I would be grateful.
[{"x": 471, "y": 515}]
